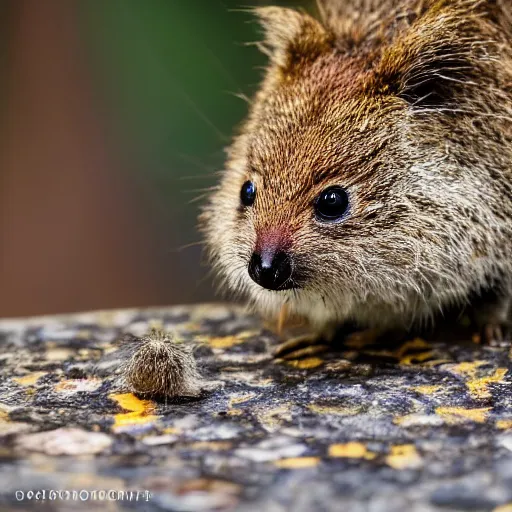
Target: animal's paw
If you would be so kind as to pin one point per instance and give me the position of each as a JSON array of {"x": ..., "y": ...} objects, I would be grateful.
[
  {"x": 496, "y": 334},
  {"x": 306, "y": 345}
]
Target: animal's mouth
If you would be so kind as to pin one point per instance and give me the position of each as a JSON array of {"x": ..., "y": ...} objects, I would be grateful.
[{"x": 288, "y": 285}]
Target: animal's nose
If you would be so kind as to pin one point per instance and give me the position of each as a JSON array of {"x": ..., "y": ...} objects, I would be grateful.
[{"x": 272, "y": 271}]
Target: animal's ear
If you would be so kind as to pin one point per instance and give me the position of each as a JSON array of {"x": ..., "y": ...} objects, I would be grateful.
[
  {"x": 501, "y": 10},
  {"x": 443, "y": 53},
  {"x": 429, "y": 75},
  {"x": 290, "y": 37}
]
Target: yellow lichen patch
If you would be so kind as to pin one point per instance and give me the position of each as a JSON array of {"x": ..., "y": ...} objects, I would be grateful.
[
  {"x": 171, "y": 430},
  {"x": 214, "y": 446},
  {"x": 351, "y": 451},
  {"x": 468, "y": 368},
  {"x": 415, "y": 344},
  {"x": 225, "y": 341},
  {"x": 30, "y": 379},
  {"x": 400, "y": 420},
  {"x": 297, "y": 462},
  {"x": 426, "y": 390},
  {"x": 454, "y": 415},
  {"x": 436, "y": 362},
  {"x": 404, "y": 456},
  {"x": 248, "y": 334},
  {"x": 86, "y": 354},
  {"x": 240, "y": 399},
  {"x": 307, "y": 363},
  {"x": 228, "y": 341},
  {"x": 504, "y": 424},
  {"x": 210, "y": 311},
  {"x": 77, "y": 385},
  {"x": 272, "y": 419},
  {"x": 336, "y": 410},
  {"x": 418, "y": 357},
  {"x": 478, "y": 388},
  {"x": 379, "y": 353},
  {"x": 140, "y": 410},
  {"x": 59, "y": 354},
  {"x": 503, "y": 508}
]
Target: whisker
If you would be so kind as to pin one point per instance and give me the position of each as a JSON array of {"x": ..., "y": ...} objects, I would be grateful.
[
  {"x": 187, "y": 246},
  {"x": 198, "y": 198},
  {"x": 241, "y": 96},
  {"x": 197, "y": 176},
  {"x": 203, "y": 189},
  {"x": 195, "y": 161}
]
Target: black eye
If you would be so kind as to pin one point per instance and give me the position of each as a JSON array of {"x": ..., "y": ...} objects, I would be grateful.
[
  {"x": 331, "y": 204},
  {"x": 248, "y": 193}
]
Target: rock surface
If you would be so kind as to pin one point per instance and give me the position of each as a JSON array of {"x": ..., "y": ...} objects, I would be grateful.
[{"x": 422, "y": 426}]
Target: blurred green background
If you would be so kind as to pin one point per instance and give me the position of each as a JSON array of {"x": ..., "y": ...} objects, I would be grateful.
[{"x": 116, "y": 117}]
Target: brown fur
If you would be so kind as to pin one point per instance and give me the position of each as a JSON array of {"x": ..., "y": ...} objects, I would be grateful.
[
  {"x": 158, "y": 365},
  {"x": 407, "y": 104}
]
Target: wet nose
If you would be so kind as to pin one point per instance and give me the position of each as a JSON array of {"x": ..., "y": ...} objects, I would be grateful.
[{"x": 271, "y": 271}]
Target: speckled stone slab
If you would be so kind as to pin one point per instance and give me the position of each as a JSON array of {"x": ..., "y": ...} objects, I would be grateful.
[{"x": 422, "y": 426}]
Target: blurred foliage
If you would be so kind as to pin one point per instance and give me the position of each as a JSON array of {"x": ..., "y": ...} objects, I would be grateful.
[{"x": 170, "y": 72}]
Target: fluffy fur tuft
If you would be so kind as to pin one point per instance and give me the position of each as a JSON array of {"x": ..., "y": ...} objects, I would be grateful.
[{"x": 158, "y": 365}]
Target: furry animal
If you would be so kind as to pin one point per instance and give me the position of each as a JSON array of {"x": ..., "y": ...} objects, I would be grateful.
[
  {"x": 158, "y": 365},
  {"x": 372, "y": 180}
]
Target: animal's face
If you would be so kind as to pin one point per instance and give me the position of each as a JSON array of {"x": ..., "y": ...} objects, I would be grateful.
[
  {"x": 336, "y": 196},
  {"x": 306, "y": 200}
]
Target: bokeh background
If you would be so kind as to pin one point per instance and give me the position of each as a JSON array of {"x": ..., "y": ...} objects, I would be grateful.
[{"x": 114, "y": 116}]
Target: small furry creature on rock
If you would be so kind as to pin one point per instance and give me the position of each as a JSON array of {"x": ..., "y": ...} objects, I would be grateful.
[
  {"x": 372, "y": 180},
  {"x": 158, "y": 365}
]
